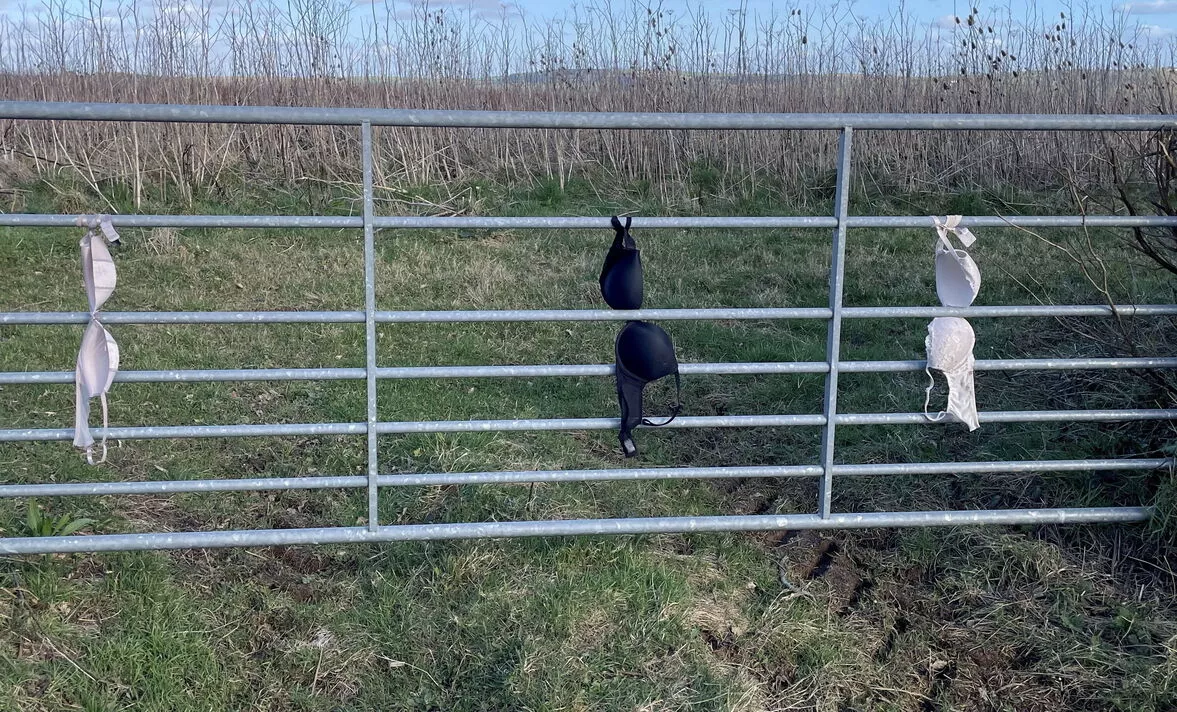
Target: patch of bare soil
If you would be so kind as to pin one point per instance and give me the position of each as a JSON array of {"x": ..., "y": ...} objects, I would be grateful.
[{"x": 991, "y": 623}]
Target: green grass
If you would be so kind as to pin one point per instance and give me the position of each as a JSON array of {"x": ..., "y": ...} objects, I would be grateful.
[{"x": 1026, "y": 618}]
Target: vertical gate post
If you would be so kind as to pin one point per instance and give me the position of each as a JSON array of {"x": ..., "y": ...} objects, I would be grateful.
[
  {"x": 834, "y": 342},
  {"x": 370, "y": 328}
]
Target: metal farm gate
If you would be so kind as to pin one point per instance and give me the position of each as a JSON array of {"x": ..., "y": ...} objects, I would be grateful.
[{"x": 838, "y": 221}]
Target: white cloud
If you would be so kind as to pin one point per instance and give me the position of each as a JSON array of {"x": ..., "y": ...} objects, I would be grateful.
[
  {"x": 1150, "y": 7},
  {"x": 1157, "y": 32},
  {"x": 945, "y": 22}
]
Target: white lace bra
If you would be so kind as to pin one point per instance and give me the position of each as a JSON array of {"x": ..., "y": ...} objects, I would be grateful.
[{"x": 950, "y": 339}]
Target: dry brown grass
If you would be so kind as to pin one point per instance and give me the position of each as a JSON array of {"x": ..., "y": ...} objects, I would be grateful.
[
  {"x": 611, "y": 57},
  {"x": 165, "y": 241}
]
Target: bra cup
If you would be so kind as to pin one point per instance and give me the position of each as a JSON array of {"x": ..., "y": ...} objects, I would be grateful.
[
  {"x": 645, "y": 351},
  {"x": 621, "y": 275},
  {"x": 97, "y": 364},
  {"x": 621, "y": 280},
  {"x": 950, "y": 343},
  {"x": 94, "y": 370},
  {"x": 958, "y": 280},
  {"x": 98, "y": 272}
]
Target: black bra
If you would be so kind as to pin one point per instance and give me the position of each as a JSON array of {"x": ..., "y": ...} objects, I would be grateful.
[{"x": 643, "y": 351}]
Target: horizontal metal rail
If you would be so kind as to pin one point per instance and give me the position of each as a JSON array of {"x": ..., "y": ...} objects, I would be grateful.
[
  {"x": 1007, "y": 467},
  {"x": 407, "y": 480},
  {"x": 193, "y": 375},
  {"x": 472, "y": 222},
  {"x": 189, "y": 431},
  {"x": 1016, "y": 416},
  {"x": 265, "y": 484},
  {"x": 1024, "y": 221},
  {"x": 566, "y": 527},
  {"x": 187, "y": 221},
  {"x": 553, "y": 370},
  {"x": 339, "y": 116},
  {"x": 549, "y": 424},
  {"x": 1013, "y": 310},
  {"x": 208, "y": 317},
  {"x": 535, "y": 315}
]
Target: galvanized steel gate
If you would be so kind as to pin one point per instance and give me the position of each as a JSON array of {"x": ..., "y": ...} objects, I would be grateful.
[{"x": 839, "y": 222}]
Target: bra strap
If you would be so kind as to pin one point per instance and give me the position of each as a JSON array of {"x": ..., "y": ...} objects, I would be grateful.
[
  {"x": 623, "y": 239},
  {"x": 928, "y": 398},
  {"x": 951, "y": 224}
]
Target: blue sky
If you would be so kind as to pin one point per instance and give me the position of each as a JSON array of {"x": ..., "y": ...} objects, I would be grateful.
[
  {"x": 1159, "y": 12},
  {"x": 1159, "y": 17}
]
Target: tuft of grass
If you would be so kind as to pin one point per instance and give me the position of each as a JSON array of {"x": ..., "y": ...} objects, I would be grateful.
[{"x": 39, "y": 523}]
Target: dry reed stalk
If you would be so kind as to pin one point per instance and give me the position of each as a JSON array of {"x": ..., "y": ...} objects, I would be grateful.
[{"x": 609, "y": 57}]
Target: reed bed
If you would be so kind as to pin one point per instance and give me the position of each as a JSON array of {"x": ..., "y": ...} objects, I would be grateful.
[{"x": 609, "y": 56}]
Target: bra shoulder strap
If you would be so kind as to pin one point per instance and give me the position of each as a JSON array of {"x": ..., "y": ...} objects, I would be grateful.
[{"x": 622, "y": 238}]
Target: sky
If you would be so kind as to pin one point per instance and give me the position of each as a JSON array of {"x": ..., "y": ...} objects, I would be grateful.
[
  {"x": 1159, "y": 13},
  {"x": 1158, "y": 17}
]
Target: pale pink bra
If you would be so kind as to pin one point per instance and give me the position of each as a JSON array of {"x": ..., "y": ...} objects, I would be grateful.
[{"x": 98, "y": 357}]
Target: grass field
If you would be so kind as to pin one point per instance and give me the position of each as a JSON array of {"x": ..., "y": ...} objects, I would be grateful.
[{"x": 1033, "y": 618}]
